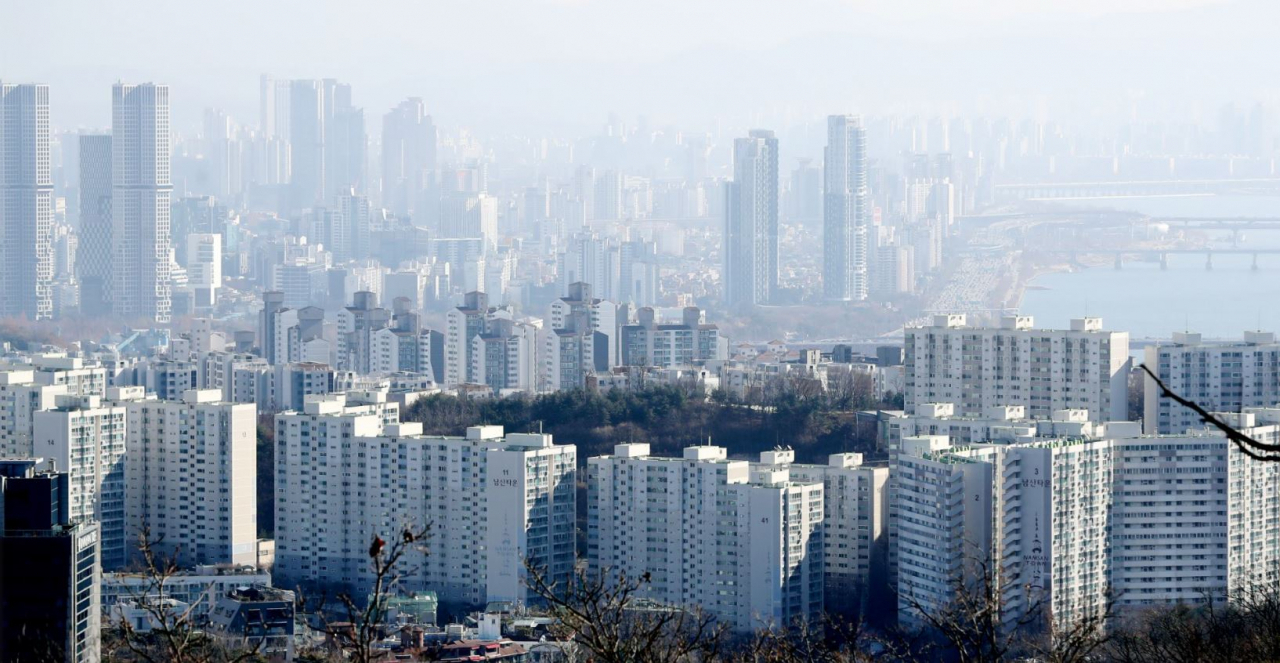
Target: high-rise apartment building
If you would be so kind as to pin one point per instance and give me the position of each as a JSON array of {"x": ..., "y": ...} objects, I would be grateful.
[
  {"x": 93, "y": 259},
  {"x": 855, "y": 523},
  {"x": 1221, "y": 377},
  {"x": 649, "y": 342},
  {"x": 345, "y": 475},
  {"x": 1043, "y": 370},
  {"x": 87, "y": 440},
  {"x": 751, "y": 222},
  {"x": 140, "y": 241},
  {"x": 743, "y": 544},
  {"x": 504, "y": 355},
  {"x": 204, "y": 268},
  {"x": 579, "y": 310},
  {"x": 26, "y": 203},
  {"x": 345, "y": 142},
  {"x": 20, "y": 398},
  {"x": 845, "y": 210},
  {"x": 591, "y": 259},
  {"x": 191, "y": 475},
  {"x": 464, "y": 214},
  {"x": 1075, "y": 523}
]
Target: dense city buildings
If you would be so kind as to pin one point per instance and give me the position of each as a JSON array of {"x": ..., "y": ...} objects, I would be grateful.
[{"x": 273, "y": 347}]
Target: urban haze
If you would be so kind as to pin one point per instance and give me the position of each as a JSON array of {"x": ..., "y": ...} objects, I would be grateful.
[{"x": 559, "y": 331}]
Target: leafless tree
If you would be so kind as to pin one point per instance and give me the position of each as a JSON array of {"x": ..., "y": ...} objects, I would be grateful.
[
  {"x": 1222, "y": 628},
  {"x": 360, "y": 628},
  {"x": 832, "y": 640},
  {"x": 604, "y": 614},
  {"x": 971, "y": 626},
  {"x": 176, "y": 635},
  {"x": 1078, "y": 641}
]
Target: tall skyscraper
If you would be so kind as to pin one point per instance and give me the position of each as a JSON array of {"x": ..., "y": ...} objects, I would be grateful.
[
  {"x": 141, "y": 190},
  {"x": 845, "y": 217},
  {"x": 408, "y": 156},
  {"x": 93, "y": 260},
  {"x": 306, "y": 142},
  {"x": 751, "y": 222},
  {"x": 26, "y": 212}
]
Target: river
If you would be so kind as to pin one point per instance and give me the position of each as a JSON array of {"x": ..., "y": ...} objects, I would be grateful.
[{"x": 1150, "y": 302}]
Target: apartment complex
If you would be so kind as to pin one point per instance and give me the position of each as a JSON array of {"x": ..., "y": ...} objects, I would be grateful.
[
  {"x": 492, "y": 500},
  {"x": 744, "y": 544},
  {"x": 1073, "y": 523},
  {"x": 855, "y": 522},
  {"x": 1043, "y": 370},
  {"x": 1222, "y": 377},
  {"x": 191, "y": 475}
]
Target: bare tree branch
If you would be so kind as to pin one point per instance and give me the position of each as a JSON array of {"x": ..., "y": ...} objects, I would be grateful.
[{"x": 1247, "y": 445}]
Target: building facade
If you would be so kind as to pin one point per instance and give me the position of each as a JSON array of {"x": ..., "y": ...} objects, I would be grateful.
[{"x": 1043, "y": 370}]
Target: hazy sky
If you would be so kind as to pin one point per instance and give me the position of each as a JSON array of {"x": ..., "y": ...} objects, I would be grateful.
[{"x": 562, "y": 64}]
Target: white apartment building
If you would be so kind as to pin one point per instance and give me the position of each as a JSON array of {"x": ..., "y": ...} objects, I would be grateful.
[
  {"x": 651, "y": 343},
  {"x": 855, "y": 521},
  {"x": 191, "y": 475},
  {"x": 743, "y": 544},
  {"x": 86, "y": 439},
  {"x": 1150, "y": 520},
  {"x": 491, "y": 501},
  {"x": 579, "y": 311},
  {"x": 942, "y": 523},
  {"x": 1253, "y": 490},
  {"x": 1043, "y": 370},
  {"x": 567, "y": 358},
  {"x": 1006, "y": 423},
  {"x": 20, "y": 398},
  {"x": 504, "y": 357},
  {"x": 80, "y": 378},
  {"x": 1221, "y": 377},
  {"x": 463, "y": 325},
  {"x": 204, "y": 267}
]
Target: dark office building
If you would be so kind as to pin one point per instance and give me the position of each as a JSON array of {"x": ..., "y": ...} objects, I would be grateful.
[{"x": 49, "y": 570}]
